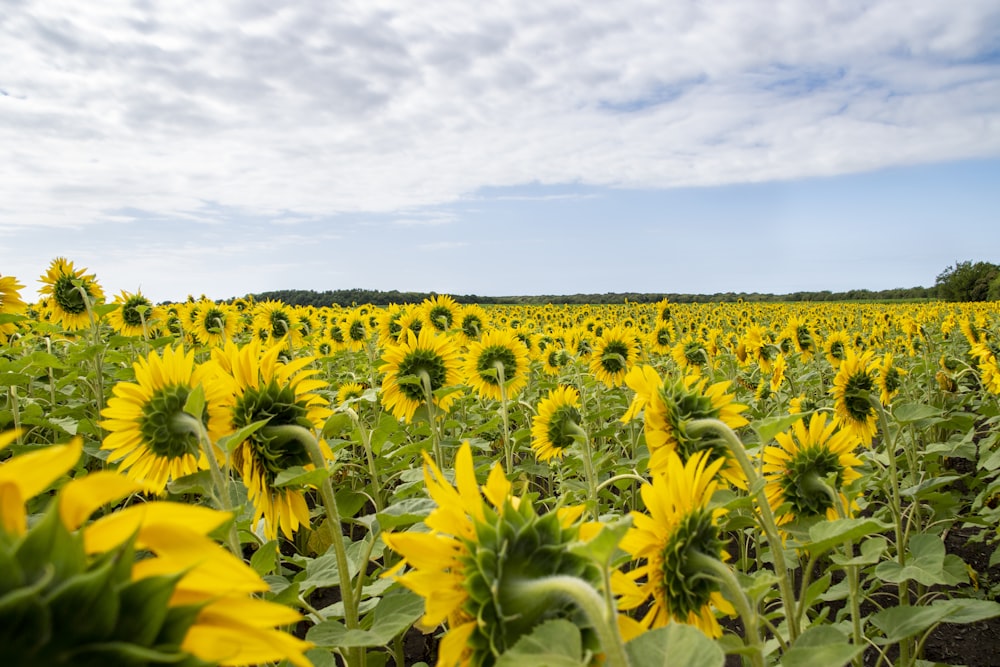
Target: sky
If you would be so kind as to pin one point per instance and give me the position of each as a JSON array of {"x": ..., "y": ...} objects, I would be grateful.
[{"x": 514, "y": 147}]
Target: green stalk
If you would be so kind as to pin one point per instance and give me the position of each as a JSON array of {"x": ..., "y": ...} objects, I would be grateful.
[
  {"x": 697, "y": 427},
  {"x": 581, "y": 437},
  {"x": 425, "y": 381},
  {"x": 353, "y": 656},
  {"x": 366, "y": 444},
  {"x": 726, "y": 577},
  {"x": 508, "y": 447},
  {"x": 593, "y": 605}
]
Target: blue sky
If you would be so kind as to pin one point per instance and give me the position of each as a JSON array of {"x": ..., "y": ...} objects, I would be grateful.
[{"x": 222, "y": 148}]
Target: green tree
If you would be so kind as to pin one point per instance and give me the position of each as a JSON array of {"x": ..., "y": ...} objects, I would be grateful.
[{"x": 967, "y": 281}]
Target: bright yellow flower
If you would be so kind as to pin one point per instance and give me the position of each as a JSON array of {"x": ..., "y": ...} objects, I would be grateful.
[
  {"x": 498, "y": 351},
  {"x": 427, "y": 356},
  {"x": 851, "y": 389},
  {"x": 557, "y": 419},
  {"x": 69, "y": 302}
]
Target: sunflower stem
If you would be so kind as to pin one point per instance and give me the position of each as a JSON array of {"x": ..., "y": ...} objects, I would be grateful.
[
  {"x": 768, "y": 524},
  {"x": 366, "y": 444},
  {"x": 221, "y": 492},
  {"x": 508, "y": 448},
  {"x": 307, "y": 439},
  {"x": 725, "y": 576},
  {"x": 592, "y": 604},
  {"x": 425, "y": 381},
  {"x": 580, "y": 436}
]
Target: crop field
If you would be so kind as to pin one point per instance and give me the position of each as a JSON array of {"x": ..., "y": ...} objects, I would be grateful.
[{"x": 245, "y": 483}]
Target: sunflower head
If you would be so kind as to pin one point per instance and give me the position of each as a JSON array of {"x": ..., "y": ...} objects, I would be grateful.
[
  {"x": 133, "y": 316},
  {"x": 852, "y": 389},
  {"x": 469, "y": 566},
  {"x": 557, "y": 422},
  {"x": 808, "y": 468},
  {"x": 669, "y": 542},
  {"x": 10, "y": 303},
  {"x": 426, "y": 358},
  {"x": 499, "y": 357},
  {"x": 615, "y": 352},
  {"x": 73, "y": 291}
]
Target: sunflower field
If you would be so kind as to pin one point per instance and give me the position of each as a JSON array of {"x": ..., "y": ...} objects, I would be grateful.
[{"x": 243, "y": 483}]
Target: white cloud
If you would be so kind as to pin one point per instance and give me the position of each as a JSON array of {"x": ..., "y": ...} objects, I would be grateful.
[{"x": 303, "y": 110}]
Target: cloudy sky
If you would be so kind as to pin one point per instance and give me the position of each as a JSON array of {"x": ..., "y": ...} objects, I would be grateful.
[{"x": 225, "y": 147}]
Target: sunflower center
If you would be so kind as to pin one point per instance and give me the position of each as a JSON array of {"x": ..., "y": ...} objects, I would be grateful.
[
  {"x": 684, "y": 588},
  {"x": 694, "y": 352},
  {"x": 837, "y": 350},
  {"x": 158, "y": 426},
  {"x": 615, "y": 354},
  {"x": 441, "y": 317},
  {"x": 560, "y": 434},
  {"x": 892, "y": 380},
  {"x": 356, "y": 331},
  {"x": 130, "y": 311},
  {"x": 490, "y": 358},
  {"x": 278, "y": 406},
  {"x": 68, "y": 296},
  {"x": 684, "y": 406},
  {"x": 280, "y": 323},
  {"x": 336, "y": 333},
  {"x": 416, "y": 363},
  {"x": 803, "y": 483},
  {"x": 472, "y": 325},
  {"x": 213, "y": 320},
  {"x": 856, "y": 396},
  {"x": 663, "y": 336},
  {"x": 804, "y": 339}
]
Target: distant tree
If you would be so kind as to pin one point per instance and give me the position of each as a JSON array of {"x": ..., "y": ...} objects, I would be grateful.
[{"x": 967, "y": 281}]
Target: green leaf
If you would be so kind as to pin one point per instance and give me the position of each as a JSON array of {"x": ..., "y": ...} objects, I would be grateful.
[
  {"x": 555, "y": 643},
  {"x": 322, "y": 572},
  {"x": 395, "y": 612},
  {"x": 827, "y": 534},
  {"x": 298, "y": 476},
  {"x": 197, "y": 482},
  {"x": 768, "y": 428},
  {"x": 925, "y": 564},
  {"x": 85, "y": 605},
  {"x": 195, "y": 403},
  {"x": 233, "y": 440},
  {"x": 821, "y": 646},
  {"x": 265, "y": 558},
  {"x": 602, "y": 547},
  {"x": 912, "y": 412},
  {"x": 898, "y": 623},
  {"x": 675, "y": 644},
  {"x": 405, "y": 512},
  {"x": 871, "y": 552},
  {"x": 918, "y": 491},
  {"x": 337, "y": 424}
]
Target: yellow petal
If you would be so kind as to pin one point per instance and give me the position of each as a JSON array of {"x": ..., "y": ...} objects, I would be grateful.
[
  {"x": 81, "y": 497},
  {"x": 108, "y": 532},
  {"x": 12, "y": 517},
  {"x": 244, "y": 646},
  {"x": 36, "y": 471}
]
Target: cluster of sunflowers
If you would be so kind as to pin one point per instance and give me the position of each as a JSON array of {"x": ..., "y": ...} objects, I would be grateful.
[{"x": 775, "y": 440}]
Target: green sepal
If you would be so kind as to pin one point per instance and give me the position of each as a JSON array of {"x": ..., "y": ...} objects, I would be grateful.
[
  {"x": 84, "y": 607},
  {"x": 144, "y": 609},
  {"x": 48, "y": 543}
]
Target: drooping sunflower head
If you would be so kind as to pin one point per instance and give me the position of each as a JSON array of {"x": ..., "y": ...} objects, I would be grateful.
[
  {"x": 681, "y": 401},
  {"x": 836, "y": 346},
  {"x": 214, "y": 324},
  {"x": 852, "y": 388},
  {"x": 808, "y": 468},
  {"x": 557, "y": 421},
  {"x": 615, "y": 352},
  {"x": 356, "y": 331},
  {"x": 134, "y": 316},
  {"x": 425, "y": 358},
  {"x": 73, "y": 292},
  {"x": 472, "y": 322},
  {"x": 889, "y": 378},
  {"x": 10, "y": 303},
  {"x": 669, "y": 541},
  {"x": 274, "y": 323},
  {"x": 661, "y": 338},
  {"x": 441, "y": 312},
  {"x": 284, "y": 395},
  {"x": 150, "y": 435},
  {"x": 555, "y": 359},
  {"x": 498, "y": 361},
  {"x": 470, "y": 566},
  {"x": 689, "y": 353}
]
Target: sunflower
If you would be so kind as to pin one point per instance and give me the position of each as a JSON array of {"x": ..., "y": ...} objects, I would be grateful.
[
  {"x": 356, "y": 331},
  {"x": 802, "y": 337},
  {"x": 263, "y": 388},
  {"x": 472, "y": 322},
  {"x": 807, "y": 467},
  {"x": 73, "y": 291},
  {"x": 500, "y": 354},
  {"x": 274, "y": 324},
  {"x": 468, "y": 567},
  {"x": 10, "y": 304},
  {"x": 134, "y": 315},
  {"x": 670, "y": 542},
  {"x": 425, "y": 356},
  {"x": 851, "y": 389},
  {"x": 441, "y": 312},
  {"x": 889, "y": 378},
  {"x": 778, "y": 369},
  {"x": 147, "y": 431},
  {"x": 558, "y": 417},
  {"x": 214, "y": 324},
  {"x": 555, "y": 359},
  {"x": 661, "y": 338},
  {"x": 388, "y": 324},
  {"x": 614, "y": 354},
  {"x": 187, "y": 601},
  {"x": 689, "y": 354},
  {"x": 350, "y": 391},
  {"x": 836, "y": 346},
  {"x": 668, "y": 406}
]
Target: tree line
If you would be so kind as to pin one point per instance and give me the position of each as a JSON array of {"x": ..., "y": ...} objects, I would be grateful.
[{"x": 965, "y": 281}]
